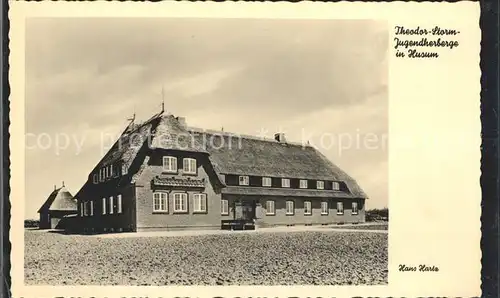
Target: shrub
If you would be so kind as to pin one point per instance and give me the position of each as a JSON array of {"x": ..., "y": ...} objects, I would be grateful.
[
  {"x": 31, "y": 223},
  {"x": 377, "y": 214}
]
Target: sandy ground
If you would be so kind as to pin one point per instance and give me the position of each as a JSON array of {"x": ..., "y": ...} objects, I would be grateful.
[
  {"x": 284, "y": 229},
  {"x": 308, "y": 255}
]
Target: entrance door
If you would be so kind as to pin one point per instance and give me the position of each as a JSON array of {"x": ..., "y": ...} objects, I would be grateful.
[{"x": 244, "y": 209}]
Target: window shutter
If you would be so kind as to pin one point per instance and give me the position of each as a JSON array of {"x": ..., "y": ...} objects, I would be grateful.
[
  {"x": 111, "y": 205},
  {"x": 224, "y": 207},
  {"x": 174, "y": 163},
  {"x": 119, "y": 203}
]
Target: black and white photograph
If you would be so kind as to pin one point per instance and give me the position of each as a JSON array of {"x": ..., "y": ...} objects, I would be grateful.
[
  {"x": 191, "y": 151},
  {"x": 239, "y": 150}
]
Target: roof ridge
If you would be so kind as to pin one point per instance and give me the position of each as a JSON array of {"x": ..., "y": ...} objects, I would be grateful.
[
  {"x": 141, "y": 124},
  {"x": 192, "y": 129}
]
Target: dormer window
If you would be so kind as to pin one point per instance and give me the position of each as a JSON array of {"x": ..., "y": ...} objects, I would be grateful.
[
  {"x": 170, "y": 164},
  {"x": 244, "y": 180},
  {"x": 336, "y": 186},
  {"x": 303, "y": 184},
  {"x": 320, "y": 184},
  {"x": 266, "y": 181},
  {"x": 95, "y": 179},
  {"x": 114, "y": 171},
  {"x": 101, "y": 175},
  {"x": 285, "y": 182},
  {"x": 189, "y": 166}
]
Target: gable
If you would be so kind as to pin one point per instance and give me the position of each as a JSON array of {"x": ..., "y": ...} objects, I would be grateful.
[{"x": 159, "y": 132}]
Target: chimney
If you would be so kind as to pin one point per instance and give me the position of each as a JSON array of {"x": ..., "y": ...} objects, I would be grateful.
[
  {"x": 63, "y": 183},
  {"x": 182, "y": 121},
  {"x": 280, "y": 137},
  {"x": 55, "y": 187}
]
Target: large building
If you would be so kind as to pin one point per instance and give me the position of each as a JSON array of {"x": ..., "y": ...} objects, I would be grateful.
[
  {"x": 58, "y": 205},
  {"x": 163, "y": 175}
]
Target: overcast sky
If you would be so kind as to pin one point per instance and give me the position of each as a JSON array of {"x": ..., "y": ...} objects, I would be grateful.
[{"x": 319, "y": 80}]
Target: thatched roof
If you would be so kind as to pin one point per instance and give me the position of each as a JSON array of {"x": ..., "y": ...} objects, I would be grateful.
[
  {"x": 229, "y": 153},
  {"x": 159, "y": 132},
  {"x": 253, "y": 156},
  {"x": 60, "y": 199},
  {"x": 170, "y": 134}
]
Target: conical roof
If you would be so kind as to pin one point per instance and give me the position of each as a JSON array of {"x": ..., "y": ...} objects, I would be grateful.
[{"x": 61, "y": 200}]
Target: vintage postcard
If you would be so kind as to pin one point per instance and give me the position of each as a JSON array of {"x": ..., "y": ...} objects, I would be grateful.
[{"x": 189, "y": 149}]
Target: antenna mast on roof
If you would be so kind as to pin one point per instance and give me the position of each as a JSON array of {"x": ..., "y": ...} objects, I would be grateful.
[
  {"x": 133, "y": 117},
  {"x": 162, "y": 100}
]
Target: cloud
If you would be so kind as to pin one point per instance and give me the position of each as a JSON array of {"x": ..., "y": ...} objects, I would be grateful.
[
  {"x": 87, "y": 76},
  {"x": 197, "y": 85}
]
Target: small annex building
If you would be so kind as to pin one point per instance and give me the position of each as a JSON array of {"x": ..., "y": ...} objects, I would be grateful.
[{"x": 58, "y": 205}]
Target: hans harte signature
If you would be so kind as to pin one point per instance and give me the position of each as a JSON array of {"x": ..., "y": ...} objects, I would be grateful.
[
  {"x": 420, "y": 268},
  {"x": 424, "y": 42}
]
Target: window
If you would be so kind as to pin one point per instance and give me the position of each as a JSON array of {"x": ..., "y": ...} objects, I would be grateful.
[
  {"x": 290, "y": 208},
  {"x": 336, "y": 186},
  {"x": 224, "y": 207},
  {"x": 85, "y": 209},
  {"x": 111, "y": 205},
  {"x": 124, "y": 170},
  {"x": 119, "y": 204},
  {"x": 91, "y": 208},
  {"x": 320, "y": 184},
  {"x": 103, "y": 205},
  {"x": 108, "y": 172},
  {"x": 354, "y": 208},
  {"x": 340, "y": 208},
  {"x": 180, "y": 202},
  {"x": 244, "y": 180},
  {"x": 189, "y": 165},
  {"x": 160, "y": 202},
  {"x": 270, "y": 208},
  {"x": 115, "y": 171},
  {"x": 285, "y": 182},
  {"x": 82, "y": 207},
  {"x": 95, "y": 178},
  {"x": 111, "y": 172},
  {"x": 307, "y": 208},
  {"x": 303, "y": 184},
  {"x": 200, "y": 202},
  {"x": 324, "y": 208},
  {"x": 266, "y": 181},
  {"x": 101, "y": 178},
  {"x": 170, "y": 164}
]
